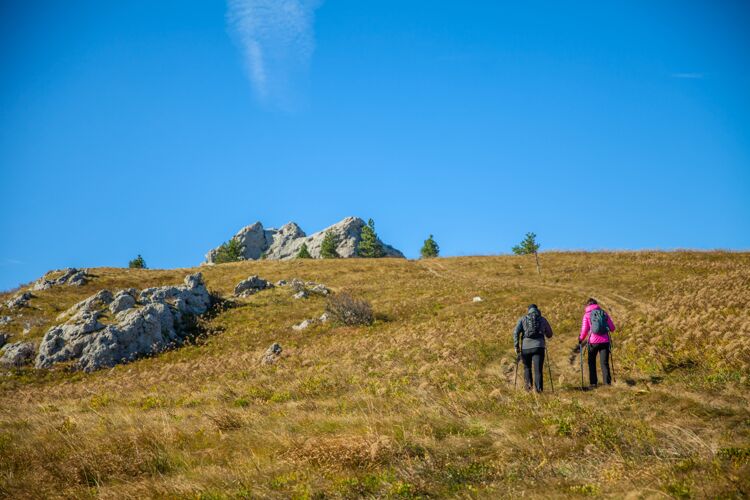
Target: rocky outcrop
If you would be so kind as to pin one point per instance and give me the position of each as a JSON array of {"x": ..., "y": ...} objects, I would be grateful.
[
  {"x": 17, "y": 354},
  {"x": 303, "y": 289},
  {"x": 250, "y": 286},
  {"x": 123, "y": 300},
  {"x": 20, "y": 300},
  {"x": 284, "y": 243},
  {"x": 304, "y": 325},
  {"x": 69, "y": 276},
  {"x": 159, "y": 319},
  {"x": 271, "y": 355},
  {"x": 94, "y": 303}
]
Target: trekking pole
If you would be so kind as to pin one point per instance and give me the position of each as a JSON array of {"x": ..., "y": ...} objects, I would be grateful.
[
  {"x": 515, "y": 379},
  {"x": 549, "y": 370},
  {"x": 580, "y": 352},
  {"x": 612, "y": 358}
]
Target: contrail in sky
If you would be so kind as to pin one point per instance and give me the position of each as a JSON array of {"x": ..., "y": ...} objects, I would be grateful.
[{"x": 277, "y": 40}]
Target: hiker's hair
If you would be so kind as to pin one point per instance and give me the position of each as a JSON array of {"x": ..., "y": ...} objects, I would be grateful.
[
  {"x": 591, "y": 302},
  {"x": 533, "y": 306}
]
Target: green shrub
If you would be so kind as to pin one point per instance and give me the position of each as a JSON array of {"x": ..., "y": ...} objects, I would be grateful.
[
  {"x": 230, "y": 251},
  {"x": 304, "y": 253},
  {"x": 430, "y": 248},
  {"x": 137, "y": 263},
  {"x": 328, "y": 247},
  {"x": 369, "y": 245}
]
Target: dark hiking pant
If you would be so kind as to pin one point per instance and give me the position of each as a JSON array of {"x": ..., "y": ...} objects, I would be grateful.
[
  {"x": 533, "y": 358},
  {"x": 603, "y": 351}
]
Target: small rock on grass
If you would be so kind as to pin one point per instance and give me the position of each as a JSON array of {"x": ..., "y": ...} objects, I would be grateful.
[
  {"x": 272, "y": 354},
  {"x": 17, "y": 354}
]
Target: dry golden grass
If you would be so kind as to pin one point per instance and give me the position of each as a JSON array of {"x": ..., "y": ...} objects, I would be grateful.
[{"x": 419, "y": 404}]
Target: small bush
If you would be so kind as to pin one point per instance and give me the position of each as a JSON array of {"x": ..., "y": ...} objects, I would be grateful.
[
  {"x": 347, "y": 310},
  {"x": 231, "y": 251},
  {"x": 304, "y": 253},
  {"x": 137, "y": 263}
]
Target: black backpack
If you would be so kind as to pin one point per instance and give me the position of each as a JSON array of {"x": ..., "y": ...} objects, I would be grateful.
[
  {"x": 532, "y": 325},
  {"x": 599, "y": 324}
]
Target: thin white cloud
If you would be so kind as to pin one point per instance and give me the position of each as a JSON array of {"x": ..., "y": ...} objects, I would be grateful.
[
  {"x": 688, "y": 76},
  {"x": 277, "y": 40}
]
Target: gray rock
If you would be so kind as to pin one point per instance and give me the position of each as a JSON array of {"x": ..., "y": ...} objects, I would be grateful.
[
  {"x": 271, "y": 355},
  {"x": 323, "y": 318},
  {"x": 285, "y": 242},
  {"x": 124, "y": 299},
  {"x": 70, "y": 276},
  {"x": 320, "y": 289},
  {"x": 4, "y": 320},
  {"x": 251, "y": 285},
  {"x": 138, "y": 331},
  {"x": 99, "y": 300},
  {"x": 80, "y": 278},
  {"x": 304, "y": 325},
  {"x": 43, "y": 284},
  {"x": 282, "y": 283},
  {"x": 17, "y": 354},
  {"x": 302, "y": 294},
  {"x": 20, "y": 300}
]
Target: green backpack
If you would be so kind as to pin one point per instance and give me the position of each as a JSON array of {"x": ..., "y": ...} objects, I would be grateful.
[{"x": 598, "y": 320}]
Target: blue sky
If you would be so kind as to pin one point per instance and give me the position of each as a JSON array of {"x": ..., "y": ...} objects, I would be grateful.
[{"x": 161, "y": 128}]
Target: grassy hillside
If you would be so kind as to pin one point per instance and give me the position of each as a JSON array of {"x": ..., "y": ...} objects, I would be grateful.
[{"x": 421, "y": 404}]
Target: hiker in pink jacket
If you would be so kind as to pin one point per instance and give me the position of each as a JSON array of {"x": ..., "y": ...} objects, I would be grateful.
[{"x": 595, "y": 330}]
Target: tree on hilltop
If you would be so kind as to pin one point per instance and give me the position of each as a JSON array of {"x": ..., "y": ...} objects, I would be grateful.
[
  {"x": 230, "y": 251},
  {"x": 369, "y": 245},
  {"x": 303, "y": 252},
  {"x": 529, "y": 246},
  {"x": 137, "y": 263},
  {"x": 329, "y": 245},
  {"x": 430, "y": 248}
]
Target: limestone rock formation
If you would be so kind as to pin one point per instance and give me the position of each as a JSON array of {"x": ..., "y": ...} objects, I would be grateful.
[
  {"x": 284, "y": 243},
  {"x": 156, "y": 321},
  {"x": 250, "y": 286},
  {"x": 124, "y": 299},
  {"x": 17, "y": 354},
  {"x": 70, "y": 276},
  {"x": 20, "y": 300}
]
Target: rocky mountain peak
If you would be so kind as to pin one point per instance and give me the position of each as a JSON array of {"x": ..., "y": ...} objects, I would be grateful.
[{"x": 284, "y": 242}]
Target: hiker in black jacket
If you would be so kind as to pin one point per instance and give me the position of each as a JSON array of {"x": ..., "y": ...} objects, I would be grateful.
[{"x": 529, "y": 341}]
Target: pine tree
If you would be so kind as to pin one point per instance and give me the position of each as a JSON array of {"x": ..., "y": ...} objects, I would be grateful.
[
  {"x": 303, "y": 252},
  {"x": 430, "y": 248},
  {"x": 328, "y": 247},
  {"x": 369, "y": 244},
  {"x": 529, "y": 246},
  {"x": 231, "y": 251},
  {"x": 137, "y": 263}
]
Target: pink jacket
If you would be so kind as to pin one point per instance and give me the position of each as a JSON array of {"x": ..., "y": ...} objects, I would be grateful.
[{"x": 586, "y": 327}]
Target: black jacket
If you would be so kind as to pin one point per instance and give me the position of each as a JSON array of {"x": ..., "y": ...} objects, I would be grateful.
[{"x": 521, "y": 335}]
